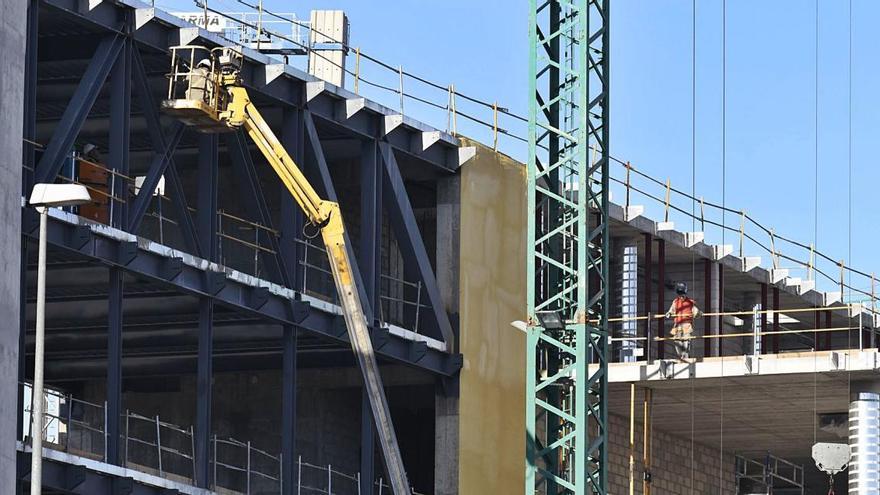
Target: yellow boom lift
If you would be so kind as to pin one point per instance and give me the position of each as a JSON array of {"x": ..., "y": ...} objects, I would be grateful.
[{"x": 205, "y": 91}]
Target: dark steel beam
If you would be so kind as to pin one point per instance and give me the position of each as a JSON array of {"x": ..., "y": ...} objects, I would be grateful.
[
  {"x": 208, "y": 173},
  {"x": 661, "y": 295},
  {"x": 157, "y": 169},
  {"x": 78, "y": 109},
  {"x": 776, "y": 319},
  {"x": 292, "y": 218},
  {"x": 765, "y": 341},
  {"x": 255, "y": 201},
  {"x": 204, "y": 376},
  {"x": 288, "y": 409},
  {"x": 160, "y": 31},
  {"x": 720, "y": 309},
  {"x": 120, "y": 134},
  {"x": 371, "y": 224},
  {"x": 62, "y": 477},
  {"x": 370, "y": 237},
  {"x": 406, "y": 231},
  {"x": 162, "y": 162},
  {"x": 30, "y": 97},
  {"x": 289, "y": 249},
  {"x": 114, "y": 365},
  {"x": 232, "y": 293},
  {"x": 368, "y": 445},
  {"x": 325, "y": 185},
  {"x": 648, "y": 283}
]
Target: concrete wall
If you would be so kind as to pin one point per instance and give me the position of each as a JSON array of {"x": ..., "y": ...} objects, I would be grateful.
[
  {"x": 679, "y": 466},
  {"x": 492, "y": 254},
  {"x": 13, "y": 26}
]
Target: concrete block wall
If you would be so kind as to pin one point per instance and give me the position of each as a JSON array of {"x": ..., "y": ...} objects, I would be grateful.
[{"x": 679, "y": 466}]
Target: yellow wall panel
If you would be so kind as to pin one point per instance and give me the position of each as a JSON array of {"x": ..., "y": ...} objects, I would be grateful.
[{"x": 492, "y": 283}]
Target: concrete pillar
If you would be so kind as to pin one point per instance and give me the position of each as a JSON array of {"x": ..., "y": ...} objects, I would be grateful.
[
  {"x": 13, "y": 27},
  {"x": 446, "y": 407}
]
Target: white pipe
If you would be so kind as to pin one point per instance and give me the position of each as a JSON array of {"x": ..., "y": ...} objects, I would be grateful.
[{"x": 37, "y": 395}]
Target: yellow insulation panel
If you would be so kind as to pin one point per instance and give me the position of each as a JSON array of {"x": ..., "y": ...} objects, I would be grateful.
[{"x": 493, "y": 294}]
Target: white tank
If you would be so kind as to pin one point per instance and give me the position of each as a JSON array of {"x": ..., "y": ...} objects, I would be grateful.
[{"x": 864, "y": 444}]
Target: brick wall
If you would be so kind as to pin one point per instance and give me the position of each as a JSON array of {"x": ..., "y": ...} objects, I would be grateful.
[{"x": 672, "y": 463}]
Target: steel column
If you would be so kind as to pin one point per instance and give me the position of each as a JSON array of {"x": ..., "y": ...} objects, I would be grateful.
[
  {"x": 707, "y": 304},
  {"x": 78, "y": 109},
  {"x": 120, "y": 132},
  {"x": 207, "y": 229},
  {"x": 368, "y": 445},
  {"x": 568, "y": 234},
  {"x": 775, "y": 320},
  {"x": 827, "y": 336},
  {"x": 288, "y": 410},
  {"x": 30, "y": 98},
  {"x": 114, "y": 364},
  {"x": 719, "y": 348},
  {"x": 291, "y": 251},
  {"x": 292, "y": 218},
  {"x": 648, "y": 284},
  {"x": 371, "y": 231},
  {"x": 661, "y": 295},
  {"x": 29, "y": 160},
  {"x": 371, "y": 225},
  {"x": 765, "y": 342}
]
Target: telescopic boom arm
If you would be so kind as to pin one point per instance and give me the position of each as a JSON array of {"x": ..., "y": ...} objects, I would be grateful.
[{"x": 222, "y": 100}]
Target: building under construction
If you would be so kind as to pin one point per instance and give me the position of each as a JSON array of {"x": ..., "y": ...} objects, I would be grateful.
[{"x": 194, "y": 340}]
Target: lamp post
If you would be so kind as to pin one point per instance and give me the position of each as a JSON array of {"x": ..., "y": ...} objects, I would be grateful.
[{"x": 43, "y": 197}]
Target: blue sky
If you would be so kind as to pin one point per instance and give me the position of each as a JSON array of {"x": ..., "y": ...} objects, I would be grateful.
[{"x": 482, "y": 47}]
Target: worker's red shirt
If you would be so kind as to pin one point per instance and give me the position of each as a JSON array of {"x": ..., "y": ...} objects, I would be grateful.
[{"x": 683, "y": 310}]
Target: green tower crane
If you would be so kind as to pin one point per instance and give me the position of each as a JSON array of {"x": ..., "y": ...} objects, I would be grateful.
[{"x": 568, "y": 242}]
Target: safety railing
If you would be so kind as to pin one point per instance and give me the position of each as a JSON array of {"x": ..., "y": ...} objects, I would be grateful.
[
  {"x": 754, "y": 332},
  {"x": 242, "y": 244},
  {"x": 401, "y": 301},
  {"x": 164, "y": 449},
  {"x": 803, "y": 262},
  {"x": 440, "y": 104},
  {"x": 769, "y": 472}
]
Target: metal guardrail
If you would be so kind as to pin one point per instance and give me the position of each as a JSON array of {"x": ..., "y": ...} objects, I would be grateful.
[
  {"x": 770, "y": 471},
  {"x": 642, "y": 342},
  {"x": 151, "y": 445}
]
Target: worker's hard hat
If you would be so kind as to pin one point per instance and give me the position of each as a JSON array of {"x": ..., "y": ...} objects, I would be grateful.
[
  {"x": 88, "y": 148},
  {"x": 204, "y": 63},
  {"x": 681, "y": 288}
]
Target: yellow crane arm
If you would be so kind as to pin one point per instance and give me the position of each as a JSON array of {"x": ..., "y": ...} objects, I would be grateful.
[{"x": 327, "y": 215}]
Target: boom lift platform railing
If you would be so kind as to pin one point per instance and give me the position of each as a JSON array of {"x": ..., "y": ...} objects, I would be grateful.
[{"x": 205, "y": 91}]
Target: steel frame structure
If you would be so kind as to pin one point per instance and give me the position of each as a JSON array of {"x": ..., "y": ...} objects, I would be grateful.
[
  {"x": 117, "y": 71},
  {"x": 568, "y": 248}
]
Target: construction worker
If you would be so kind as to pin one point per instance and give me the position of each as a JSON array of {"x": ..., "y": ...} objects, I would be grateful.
[
  {"x": 684, "y": 310},
  {"x": 201, "y": 86}
]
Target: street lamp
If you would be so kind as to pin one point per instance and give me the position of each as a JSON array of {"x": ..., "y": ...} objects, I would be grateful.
[{"x": 43, "y": 197}]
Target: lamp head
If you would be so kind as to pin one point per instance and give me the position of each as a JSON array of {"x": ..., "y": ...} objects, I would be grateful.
[{"x": 47, "y": 195}]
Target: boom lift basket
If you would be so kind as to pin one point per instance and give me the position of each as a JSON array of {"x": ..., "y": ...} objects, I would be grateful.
[{"x": 195, "y": 93}]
